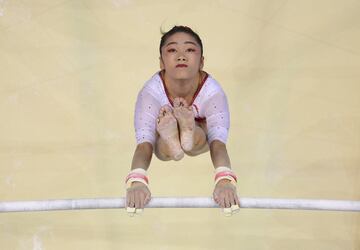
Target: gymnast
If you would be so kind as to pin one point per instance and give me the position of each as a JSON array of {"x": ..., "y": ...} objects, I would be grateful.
[{"x": 181, "y": 110}]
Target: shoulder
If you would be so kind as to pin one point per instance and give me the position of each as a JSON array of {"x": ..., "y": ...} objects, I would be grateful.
[
  {"x": 154, "y": 82},
  {"x": 153, "y": 85},
  {"x": 212, "y": 82},
  {"x": 211, "y": 86}
]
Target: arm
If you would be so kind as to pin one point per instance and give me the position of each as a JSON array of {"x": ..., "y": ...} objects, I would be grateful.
[
  {"x": 142, "y": 156},
  {"x": 138, "y": 194},
  {"x": 225, "y": 192},
  {"x": 219, "y": 155}
]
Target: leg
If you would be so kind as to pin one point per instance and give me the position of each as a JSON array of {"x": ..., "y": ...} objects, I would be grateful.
[
  {"x": 200, "y": 142},
  {"x": 167, "y": 145},
  {"x": 162, "y": 149}
]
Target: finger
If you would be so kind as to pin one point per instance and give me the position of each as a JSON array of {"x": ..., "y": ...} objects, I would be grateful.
[
  {"x": 235, "y": 207},
  {"x": 137, "y": 200},
  {"x": 147, "y": 198},
  {"x": 142, "y": 200},
  {"x": 237, "y": 199},
  {"x": 227, "y": 200},
  {"x": 215, "y": 197},
  {"x": 227, "y": 209},
  {"x": 130, "y": 209},
  {"x": 232, "y": 199},
  {"x": 222, "y": 201},
  {"x": 129, "y": 198},
  {"x": 139, "y": 210},
  {"x": 140, "y": 204}
]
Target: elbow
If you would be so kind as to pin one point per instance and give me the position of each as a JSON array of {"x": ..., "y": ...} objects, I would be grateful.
[
  {"x": 216, "y": 145},
  {"x": 145, "y": 147}
]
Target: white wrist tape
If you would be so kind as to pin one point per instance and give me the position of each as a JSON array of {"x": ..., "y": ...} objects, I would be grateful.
[
  {"x": 137, "y": 174},
  {"x": 224, "y": 172},
  {"x": 221, "y": 169}
]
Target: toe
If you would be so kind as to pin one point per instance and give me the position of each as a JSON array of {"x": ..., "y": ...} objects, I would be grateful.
[
  {"x": 167, "y": 109},
  {"x": 183, "y": 103},
  {"x": 180, "y": 102},
  {"x": 176, "y": 102},
  {"x": 162, "y": 112}
]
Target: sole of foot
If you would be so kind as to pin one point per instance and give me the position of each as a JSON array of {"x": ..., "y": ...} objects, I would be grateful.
[{"x": 168, "y": 130}]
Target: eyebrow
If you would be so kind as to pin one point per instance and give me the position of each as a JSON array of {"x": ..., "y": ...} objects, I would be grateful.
[{"x": 184, "y": 42}]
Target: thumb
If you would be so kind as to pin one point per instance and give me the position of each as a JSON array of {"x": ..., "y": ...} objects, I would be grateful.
[
  {"x": 215, "y": 196},
  {"x": 147, "y": 198}
]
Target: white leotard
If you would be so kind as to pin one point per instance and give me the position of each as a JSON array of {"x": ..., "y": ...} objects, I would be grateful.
[{"x": 210, "y": 103}]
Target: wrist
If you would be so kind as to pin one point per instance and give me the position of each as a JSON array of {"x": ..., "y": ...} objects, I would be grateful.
[
  {"x": 137, "y": 175},
  {"x": 224, "y": 175},
  {"x": 136, "y": 184},
  {"x": 224, "y": 181}
]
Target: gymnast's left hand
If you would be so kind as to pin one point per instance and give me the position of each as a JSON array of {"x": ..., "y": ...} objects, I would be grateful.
[
  {"x": 137, "y": 196},
  {"x": 226, "y": 197}
]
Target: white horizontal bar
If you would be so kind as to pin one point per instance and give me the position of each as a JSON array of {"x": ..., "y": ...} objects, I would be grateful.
[{"x": 178, "y": 202}]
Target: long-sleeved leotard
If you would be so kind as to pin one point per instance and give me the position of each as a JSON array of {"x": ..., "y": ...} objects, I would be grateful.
[{"x": 209, "y": 104}]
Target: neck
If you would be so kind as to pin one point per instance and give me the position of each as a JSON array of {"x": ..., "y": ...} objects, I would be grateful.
[{"x": 184, "y": 88}]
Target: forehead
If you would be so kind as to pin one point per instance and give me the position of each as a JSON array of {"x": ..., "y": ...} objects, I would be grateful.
[{"x": 180, "y": 38}]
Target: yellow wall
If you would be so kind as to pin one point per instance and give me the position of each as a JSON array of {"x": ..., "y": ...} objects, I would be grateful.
[{"x": 70, "y": 73}]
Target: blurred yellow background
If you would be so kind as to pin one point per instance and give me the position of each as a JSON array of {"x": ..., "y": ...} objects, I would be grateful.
[{"x": 70, "y": 73}]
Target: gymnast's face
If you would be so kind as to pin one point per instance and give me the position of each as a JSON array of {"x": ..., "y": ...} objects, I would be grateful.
[{"x": 181, "y": 56}]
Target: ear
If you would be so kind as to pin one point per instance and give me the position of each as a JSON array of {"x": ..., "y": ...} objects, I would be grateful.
[
  {"x": 162, "y": 66},
  {"x": 202, "y": 62}
]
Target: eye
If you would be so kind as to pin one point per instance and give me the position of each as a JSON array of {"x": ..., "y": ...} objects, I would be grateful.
[
  {"x": 171, "y": 50},
  {"x": 191, "y": 50}
]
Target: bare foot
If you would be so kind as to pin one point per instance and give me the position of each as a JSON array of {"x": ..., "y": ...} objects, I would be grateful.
[
  {"x": 168, "y": 131},
  {"x": 185, "y": 117}
]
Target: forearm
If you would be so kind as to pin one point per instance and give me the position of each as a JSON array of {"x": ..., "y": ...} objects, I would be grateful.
[
  {"x": 142, "y": 156},
  {"x": 219, "y": 155}
]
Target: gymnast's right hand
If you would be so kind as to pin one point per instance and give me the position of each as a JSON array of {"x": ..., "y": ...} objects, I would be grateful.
[{"x": 137, "y": 197}]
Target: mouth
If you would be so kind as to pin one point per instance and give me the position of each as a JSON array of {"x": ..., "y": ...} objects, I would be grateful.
[{"x": 181, "y": 66}]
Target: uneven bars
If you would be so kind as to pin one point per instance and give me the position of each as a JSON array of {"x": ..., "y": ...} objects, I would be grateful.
[{"x": 178, "y": 202}]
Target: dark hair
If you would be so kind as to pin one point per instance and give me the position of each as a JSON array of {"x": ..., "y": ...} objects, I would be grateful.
[{"x": 177, "y": 29}]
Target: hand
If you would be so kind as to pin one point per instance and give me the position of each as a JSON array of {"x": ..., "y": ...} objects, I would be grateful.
[
  {"x": 225, "y": 196},
  {"x": 137, "y": 196}
]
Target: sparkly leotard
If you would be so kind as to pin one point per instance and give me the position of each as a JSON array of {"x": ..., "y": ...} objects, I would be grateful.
[{"x": 209, "y": 104}]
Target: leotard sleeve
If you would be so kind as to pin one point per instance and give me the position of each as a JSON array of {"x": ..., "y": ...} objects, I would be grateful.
[
  {"x": 216, "y": 110},
  {"x": 146, "y": 112}
]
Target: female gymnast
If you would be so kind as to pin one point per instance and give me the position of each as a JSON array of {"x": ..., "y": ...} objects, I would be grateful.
[{"x": 181, "y": 110}]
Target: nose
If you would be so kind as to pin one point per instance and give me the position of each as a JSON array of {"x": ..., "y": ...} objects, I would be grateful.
[{"x": 181, "y": 58}]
